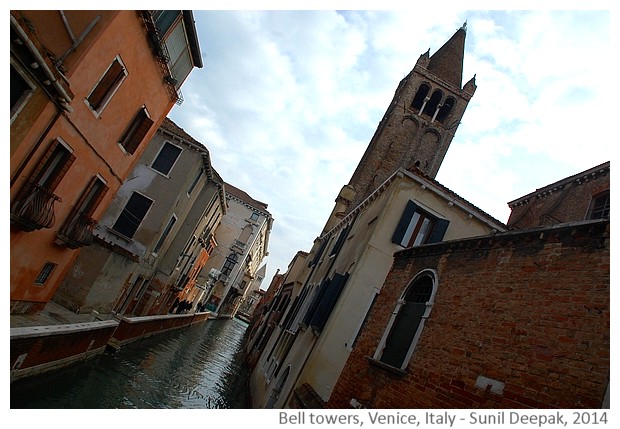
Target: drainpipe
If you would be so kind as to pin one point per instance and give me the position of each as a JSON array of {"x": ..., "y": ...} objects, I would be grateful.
[
  {"x": 65, "y": 97},
  {"x": 75, "y": 41}
]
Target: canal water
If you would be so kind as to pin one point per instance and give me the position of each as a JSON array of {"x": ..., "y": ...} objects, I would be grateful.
[{"x": 200, "y": 366}]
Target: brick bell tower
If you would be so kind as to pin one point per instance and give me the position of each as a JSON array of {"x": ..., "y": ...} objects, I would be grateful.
[{"x": 417, "y": 127}]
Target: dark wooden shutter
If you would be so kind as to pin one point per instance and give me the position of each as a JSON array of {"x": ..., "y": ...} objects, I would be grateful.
[
  {"x": 340, "y": 241},
  {"x": 108, "y": 82},
  {"x": 318, "y": 254},
  {"x": 315, "y": 303},
  {"x": 328, "y": 301},
  {"x": 88, "y": 207},
  {"x": 439, "y": 230},
  {"x": 401, "y": 228},
  {"x": 136, "y": 131}
]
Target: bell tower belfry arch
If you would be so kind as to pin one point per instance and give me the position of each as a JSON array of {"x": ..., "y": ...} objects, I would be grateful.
[{"x": 418, "y": 125}]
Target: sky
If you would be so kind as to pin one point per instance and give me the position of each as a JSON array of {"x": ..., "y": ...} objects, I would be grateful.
[{"x": 288, "y": 100}]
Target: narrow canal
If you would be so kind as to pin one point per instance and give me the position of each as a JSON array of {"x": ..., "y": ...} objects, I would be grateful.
[{"x": 200, "y": 366}]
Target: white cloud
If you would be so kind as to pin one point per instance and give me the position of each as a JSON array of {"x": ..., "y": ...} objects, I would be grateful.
[{"x": 287, "y": 102}]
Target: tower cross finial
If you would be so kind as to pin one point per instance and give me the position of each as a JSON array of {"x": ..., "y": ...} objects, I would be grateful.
[{"x": 464, "y": 26}]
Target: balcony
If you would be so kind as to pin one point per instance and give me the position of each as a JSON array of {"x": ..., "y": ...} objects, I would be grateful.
[
  {"x": 77, "y": 231},
  {"x": 33, "y": 208}
]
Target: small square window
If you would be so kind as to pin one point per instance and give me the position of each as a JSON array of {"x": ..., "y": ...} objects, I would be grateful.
[
  {"x": 45, "y": 273},
  {"x": 254, "y": 216}
]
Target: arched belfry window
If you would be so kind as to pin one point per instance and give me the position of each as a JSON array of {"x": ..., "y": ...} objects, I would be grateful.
[
  {"x": 445, "y": 109},
  {"x": 407, "y": 321},
  {"x": 433, "y": 103},
  {"x": 420, "y": 96}
]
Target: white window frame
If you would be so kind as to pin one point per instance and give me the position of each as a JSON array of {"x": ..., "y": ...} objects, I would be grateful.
[{"x": 429, "y": 306}]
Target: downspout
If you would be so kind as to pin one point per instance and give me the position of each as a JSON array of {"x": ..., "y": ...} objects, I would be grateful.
[
  {"x": 75, "y": 41},
  {"x": 65, "y": 97}
]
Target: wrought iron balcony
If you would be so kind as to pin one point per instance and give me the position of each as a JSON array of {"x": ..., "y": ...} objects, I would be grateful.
[
  {"x": 77, "y": 231},
  {"x": 33, "y": 208}
]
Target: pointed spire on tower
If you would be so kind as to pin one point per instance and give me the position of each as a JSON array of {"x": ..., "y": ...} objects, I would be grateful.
[{"x": 447, "y": 62}]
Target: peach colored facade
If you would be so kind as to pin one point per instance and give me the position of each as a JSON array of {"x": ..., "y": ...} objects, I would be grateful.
[{"x": 70, "y": 153}]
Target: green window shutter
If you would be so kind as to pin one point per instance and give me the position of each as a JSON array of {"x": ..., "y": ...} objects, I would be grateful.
[
  {"x": 399, "y": 233},
  {"x": 439, "y": 230}
]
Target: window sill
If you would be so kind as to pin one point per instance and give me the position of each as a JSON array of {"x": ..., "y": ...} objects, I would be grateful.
[
  {"x": 385, "y": 366},
  {"x": 119, "y": 235},
  {"x": 160, "y": 172}
]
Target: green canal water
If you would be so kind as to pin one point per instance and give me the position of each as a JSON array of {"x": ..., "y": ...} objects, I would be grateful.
[{"x": 199, "y": 366}]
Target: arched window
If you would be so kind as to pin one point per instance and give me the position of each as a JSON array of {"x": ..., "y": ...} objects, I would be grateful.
[
  {"x": 445, "y": 109},
  {"x": 433, "y": 103},
  {"x": 418, "y": 100},
  {"x": 407, "y": 322}
]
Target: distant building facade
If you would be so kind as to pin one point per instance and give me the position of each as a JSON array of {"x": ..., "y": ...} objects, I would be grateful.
[
  {"x": 518, "y": 319},
  {"x": 88, "y": 89},
  {"x": 243, "y": 243}
]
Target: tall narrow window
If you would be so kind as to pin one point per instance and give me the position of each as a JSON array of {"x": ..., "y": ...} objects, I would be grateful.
[
  {"x": 132, "y": 215},
  {"x": 418, "y": 227},
  {"x": 166, "y": 158},
  {"x": 165, "y": 234},
  {"x": 420, "y": 96},
  {"x": 53, "y": 166},
  {"x": 33, "y": 207},
  {"x": 445, "y": 109},
  {"x": 107, "y": 85},
  {"x": 407, "y": 321},
  {"x": 431, "y": 107},
  {"x": 136, "y": 131},
  {"x": 180, "y": 58},
  {"x": 194, "y": 182},
  {"x": 77, "y": 229}
]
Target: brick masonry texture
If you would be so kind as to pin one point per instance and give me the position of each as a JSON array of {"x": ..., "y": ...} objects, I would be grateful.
[{"x": 528, "y": 309}]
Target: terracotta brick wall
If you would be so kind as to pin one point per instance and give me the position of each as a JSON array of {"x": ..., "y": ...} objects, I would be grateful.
[{"x": 529, "y": 310}]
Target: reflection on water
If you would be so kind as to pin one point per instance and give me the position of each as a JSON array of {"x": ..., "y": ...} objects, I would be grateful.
[{"x": 196, "y": 367}]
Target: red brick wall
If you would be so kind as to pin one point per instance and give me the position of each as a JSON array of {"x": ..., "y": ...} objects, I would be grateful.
[{"x": 528, "y": 309}]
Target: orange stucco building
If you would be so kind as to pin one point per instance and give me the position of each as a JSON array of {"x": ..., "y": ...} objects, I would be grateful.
[{"x": 88, "y": 90}]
